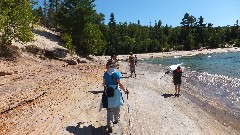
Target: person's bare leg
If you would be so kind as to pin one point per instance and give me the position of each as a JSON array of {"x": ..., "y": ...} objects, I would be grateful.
[
  {"x": 175, "y": 90},
  {"x": 178, "y": 88},
  {"x": 131, "y": 69}
]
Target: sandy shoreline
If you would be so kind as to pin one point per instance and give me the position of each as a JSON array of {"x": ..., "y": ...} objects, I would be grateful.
[
  {"x": 48, "y": 97},
  {"x": 174, "y": 53},
  {"x": 154, "y": 110}
]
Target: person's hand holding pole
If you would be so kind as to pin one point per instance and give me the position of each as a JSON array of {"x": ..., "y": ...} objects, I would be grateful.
[{"x": 127, "y": 92}]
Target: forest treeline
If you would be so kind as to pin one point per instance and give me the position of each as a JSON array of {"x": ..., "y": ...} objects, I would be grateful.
[{"x": 83, "y": 29}]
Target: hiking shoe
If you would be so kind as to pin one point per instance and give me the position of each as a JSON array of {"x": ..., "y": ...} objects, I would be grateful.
[
  {"x": 110, "y": 130},
  {"x": 177, "y": 95}
]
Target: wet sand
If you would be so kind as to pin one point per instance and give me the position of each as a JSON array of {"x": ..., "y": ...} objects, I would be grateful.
[{"x": 154, "y": 109}]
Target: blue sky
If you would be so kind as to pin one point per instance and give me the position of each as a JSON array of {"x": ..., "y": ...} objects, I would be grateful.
[{"x": 171, "y": 12}]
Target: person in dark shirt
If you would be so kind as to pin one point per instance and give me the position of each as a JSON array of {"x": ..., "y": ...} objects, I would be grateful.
[{"x": 177, "y": 80}]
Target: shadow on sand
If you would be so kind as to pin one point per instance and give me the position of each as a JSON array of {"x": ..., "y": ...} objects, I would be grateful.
[
  {"x": 96, "y": 92},
  {"x": 87, "y": 130},
  {"x": 167, "y": 95},
  {"x": 125, "y": 76}
]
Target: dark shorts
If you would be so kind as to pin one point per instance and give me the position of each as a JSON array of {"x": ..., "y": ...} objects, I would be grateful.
[
  {"x": 177, "y": 82},
  {"x": 132, "y": 68}
]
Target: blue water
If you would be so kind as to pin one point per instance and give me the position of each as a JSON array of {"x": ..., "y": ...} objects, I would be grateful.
[
  {"x": 213, "y": 78},
  {"x": 227, "y": 64}
]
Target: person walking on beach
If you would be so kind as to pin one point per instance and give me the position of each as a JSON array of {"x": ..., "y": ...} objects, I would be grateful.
[
  {"x": 177, "y": 80},
  {"x": 114, "y": 60},
  {"x": 113, "y": 87},
  {"x": 132, "y": 64}
]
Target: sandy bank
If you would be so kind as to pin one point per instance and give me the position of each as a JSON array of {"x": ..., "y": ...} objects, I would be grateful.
[
  {"x": 154, "y": 110},
  {"x": 174, "y": 53}
]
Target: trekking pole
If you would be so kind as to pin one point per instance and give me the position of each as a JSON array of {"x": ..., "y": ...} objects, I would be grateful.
[{"x": 128, "y": 109}]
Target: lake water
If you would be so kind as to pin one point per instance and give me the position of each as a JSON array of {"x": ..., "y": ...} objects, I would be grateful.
[{"x": 214, "y": 79}]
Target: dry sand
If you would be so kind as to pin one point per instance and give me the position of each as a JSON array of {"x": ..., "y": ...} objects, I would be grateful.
[
  {"x": 48, "y": 97},
  {"x": 177, "y": 53}
]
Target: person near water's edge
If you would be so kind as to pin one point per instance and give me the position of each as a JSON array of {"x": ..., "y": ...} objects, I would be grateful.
[
  {"x": 111, "y": 78},
  {"x": 132, "y": 64},
  {"x": 177, "y": 80}
]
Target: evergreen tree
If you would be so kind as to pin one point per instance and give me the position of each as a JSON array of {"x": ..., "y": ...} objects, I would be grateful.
[
  {"x": 187, "y": 31},
  {"x": 92, "y": 40},
  {"x": 73, "y": 17},
  {"x": 16, "y": 21},
  {"x": 113, "y": 46}
]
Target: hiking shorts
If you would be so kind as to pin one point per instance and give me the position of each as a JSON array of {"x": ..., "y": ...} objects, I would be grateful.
[{"x": 177, "y": 82}]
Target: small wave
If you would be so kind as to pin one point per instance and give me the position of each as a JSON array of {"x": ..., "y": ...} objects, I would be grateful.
[
  {"x": 222, "y": 88},
  {"x": 177, "y": 56},
  {"x": 219, "y": 93},
  {"x": 173, "y": 67}
]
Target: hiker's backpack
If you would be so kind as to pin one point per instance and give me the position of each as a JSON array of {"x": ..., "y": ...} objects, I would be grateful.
[{"x": 110, "y": 92}]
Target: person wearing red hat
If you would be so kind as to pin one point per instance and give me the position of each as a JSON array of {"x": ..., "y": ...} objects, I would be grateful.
[{"x": 177, "y": 80}]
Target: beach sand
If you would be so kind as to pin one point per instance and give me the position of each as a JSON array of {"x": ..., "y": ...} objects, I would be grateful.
[
  {"x": 48, "y": 97},
  {"x": 154, "y": 109}
]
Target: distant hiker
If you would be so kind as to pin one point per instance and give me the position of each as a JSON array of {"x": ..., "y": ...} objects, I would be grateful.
[
  {"x": 112, "y": 98},
  {"x": 177, "y": 80},
  {"x": 132, "y": 64},
  {"x": 114, "y": 60},
  {"x": 135, "y": 60}
]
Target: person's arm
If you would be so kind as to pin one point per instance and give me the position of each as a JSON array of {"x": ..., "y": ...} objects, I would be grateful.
[
  {"x": 104, "y": 82},
  {"x": 121, "y": 85},
  {"x": 173, "y": 75}
]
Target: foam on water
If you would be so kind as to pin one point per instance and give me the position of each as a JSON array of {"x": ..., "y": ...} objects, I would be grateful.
[{"x": 173, "y": 67}]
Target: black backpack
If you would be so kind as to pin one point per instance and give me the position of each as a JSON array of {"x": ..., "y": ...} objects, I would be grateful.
[{"x": 110, "y": 90}]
